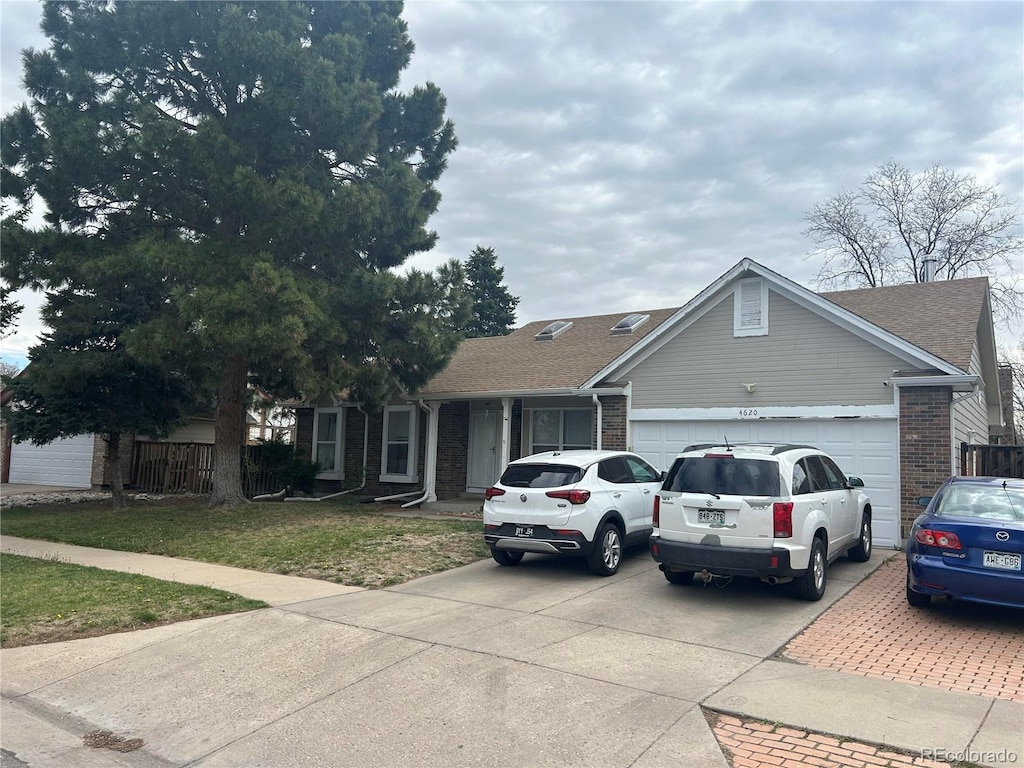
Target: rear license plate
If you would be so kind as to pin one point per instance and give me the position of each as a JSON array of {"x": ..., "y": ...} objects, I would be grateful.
[
  {"x": 1007, "y": 561},
  {"x": 711, "y": 516},
  {"x": 525, "y": 532}
]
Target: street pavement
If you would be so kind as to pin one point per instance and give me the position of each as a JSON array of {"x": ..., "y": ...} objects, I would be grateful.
[{"x": 538, "y": 665}]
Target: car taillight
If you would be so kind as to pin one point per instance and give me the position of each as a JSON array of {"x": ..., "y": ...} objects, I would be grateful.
[
  {"x": 940, "y": 539},
  {"x": 657, "y": 511},
  {"x": 574, "y": 496},
  {"x": 782, "y": 517},
  {"x": 491, "y": 492}
]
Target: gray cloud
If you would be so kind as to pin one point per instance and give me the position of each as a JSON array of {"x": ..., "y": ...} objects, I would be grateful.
[{"x": 622, "y": 155}]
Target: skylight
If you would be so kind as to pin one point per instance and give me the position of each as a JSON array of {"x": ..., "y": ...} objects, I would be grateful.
[
  {"x": 629, "y": 323},
  {"x": 551, "y": 330}
]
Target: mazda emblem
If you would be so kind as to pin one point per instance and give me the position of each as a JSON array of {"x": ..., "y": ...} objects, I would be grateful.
[
  {"x": 522, "y": 497},
  {"x": 1002, "y": 536}
]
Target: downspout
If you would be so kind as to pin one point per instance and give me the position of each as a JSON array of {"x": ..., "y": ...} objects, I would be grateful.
[
  {"x": 430, "y": 460},
  {"x": 600, "y": 412},
  {"x": 366, "y": 439}
]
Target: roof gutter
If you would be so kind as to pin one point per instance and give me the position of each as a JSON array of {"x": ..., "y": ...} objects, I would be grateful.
[
  {"x": 960, "y": 382},
  {"x": 520, "y": 393}
]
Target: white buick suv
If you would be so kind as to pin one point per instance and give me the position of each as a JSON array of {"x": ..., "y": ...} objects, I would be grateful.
[
  {"x": 585, "y": 503},
  {"x": 780, "y": 513}
]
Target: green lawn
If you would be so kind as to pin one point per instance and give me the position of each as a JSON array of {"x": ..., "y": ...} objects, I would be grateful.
[
  {"x": 345, "y": 543},
  {"x": 45, "y": 601}
]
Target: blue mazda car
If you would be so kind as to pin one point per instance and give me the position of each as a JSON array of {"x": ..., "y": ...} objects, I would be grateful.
[{"x": 969, "y": 543}]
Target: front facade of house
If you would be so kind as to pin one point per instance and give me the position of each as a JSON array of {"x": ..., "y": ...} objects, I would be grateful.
[{"x": 890, "y": 381}]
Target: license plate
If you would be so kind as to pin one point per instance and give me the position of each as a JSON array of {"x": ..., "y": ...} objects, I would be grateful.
[
  {"x": 1005, "y": 560},
  {"x": 526, "y": 532},
  {"x": 711, "y": 516}
]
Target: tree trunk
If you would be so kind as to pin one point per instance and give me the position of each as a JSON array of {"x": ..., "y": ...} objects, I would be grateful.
[
  {"x": 113, "y": 470},
  {"x": 229, "y": 434}
]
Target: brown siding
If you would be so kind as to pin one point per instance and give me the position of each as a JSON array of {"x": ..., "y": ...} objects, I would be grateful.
[{"x": 925, "y": 449}]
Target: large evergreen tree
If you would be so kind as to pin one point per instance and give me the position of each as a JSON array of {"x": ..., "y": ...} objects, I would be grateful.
[
  {"x": 493, "y": 306},
  {"x": 260, "y": 155},
  {"x": 81, "y": 378}
]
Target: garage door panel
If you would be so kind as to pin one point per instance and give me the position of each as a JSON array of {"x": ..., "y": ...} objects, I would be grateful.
[
  {"x": 864, "y": 448},
  {"x": 66, "y": 462}
]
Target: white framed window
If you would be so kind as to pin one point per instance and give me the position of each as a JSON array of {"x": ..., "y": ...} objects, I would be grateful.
[
  {"x": 329, "y": 442},
  {"x": 398, "y": 449},
  {"x": 750, "y": 308},
  {"x": 555, "y": 429}
]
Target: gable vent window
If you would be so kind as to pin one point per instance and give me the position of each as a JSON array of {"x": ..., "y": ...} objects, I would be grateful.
[
  {"x": 628, "y": 324},
  {"x": 553, "y": 330},
  {"x": 750, "y": 302}
]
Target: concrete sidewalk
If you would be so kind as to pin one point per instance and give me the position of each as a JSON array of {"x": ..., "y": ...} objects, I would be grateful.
[
  {"x": 540, "y": 665},
  {"x": 271, "y": 588}
]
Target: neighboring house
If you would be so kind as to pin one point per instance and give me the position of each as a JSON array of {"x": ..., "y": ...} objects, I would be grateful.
[{"x": 888, "y": 380}]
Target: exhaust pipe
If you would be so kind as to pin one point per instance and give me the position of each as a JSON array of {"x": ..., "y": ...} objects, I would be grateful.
[
  {"x": 773, "y": 580},
  {"x": 705, "y": 576}
]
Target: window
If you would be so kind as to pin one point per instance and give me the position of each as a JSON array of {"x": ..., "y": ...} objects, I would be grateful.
[
  {"x": 801, "y": 480},
  {"x": 541, "y": 475},
  {"x": 614, "y": 470},
  {"x": 750, "y": 308},
  {"x": 560, "y": 430},
  {"x": 836, "y": 478},
  {"x": 328, "y": 442},
  {"x": 398, "y": 456},
  {"x": 642, "y": 471}
]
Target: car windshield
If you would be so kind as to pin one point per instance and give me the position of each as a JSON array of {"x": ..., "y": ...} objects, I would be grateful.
[
  {"x": 723, "y": 475},
  {"x": 540, "y": 475},
  {"x": 993, "y": 502}
]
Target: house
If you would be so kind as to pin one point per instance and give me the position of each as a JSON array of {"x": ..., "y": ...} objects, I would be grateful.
[{"x": 888, "y": 380}]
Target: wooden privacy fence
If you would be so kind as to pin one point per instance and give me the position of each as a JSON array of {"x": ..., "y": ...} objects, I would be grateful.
[
  {"x": 992, "y": 460},
  {"x": 188, "y": 468}
]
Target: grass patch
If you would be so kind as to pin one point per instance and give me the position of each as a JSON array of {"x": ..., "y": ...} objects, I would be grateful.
[
  {"x": 45, "y": 601},
  {"x": 340, "y": 542}
]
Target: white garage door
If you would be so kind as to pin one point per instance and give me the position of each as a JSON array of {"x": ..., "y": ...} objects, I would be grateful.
[
  {"x": 866, "y": 448},
  {"x": 66, "y": 462}
]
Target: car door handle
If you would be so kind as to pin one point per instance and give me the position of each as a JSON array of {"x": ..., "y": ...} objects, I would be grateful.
[
  {"x": 647, "y": 490},
  {"x": 823, "y": 500}
]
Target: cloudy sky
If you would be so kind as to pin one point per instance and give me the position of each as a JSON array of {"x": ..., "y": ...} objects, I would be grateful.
[{"x": 621, "y": 155}]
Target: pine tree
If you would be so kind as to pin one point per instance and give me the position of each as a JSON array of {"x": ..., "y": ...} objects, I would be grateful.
[
  {"x": 494, "y": 308},
  {"x": 261, "y": 158}
]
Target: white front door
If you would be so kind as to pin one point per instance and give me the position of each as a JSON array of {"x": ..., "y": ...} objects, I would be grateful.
[{"x": 483, "y": 450}]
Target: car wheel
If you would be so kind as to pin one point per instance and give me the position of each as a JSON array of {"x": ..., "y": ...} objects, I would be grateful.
[
  {"x": 678, "y": 577},
  {"x": 916, "y": 599},
  {"x": 861, "y": 551},
  {"x": 607, "y": 554},
  {"x": 811, "y": 585},
  {"x": 506, "y": 557}
]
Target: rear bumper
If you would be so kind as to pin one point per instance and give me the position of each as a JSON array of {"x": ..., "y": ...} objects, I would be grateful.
[
  {"x": 542, "y": 540},
  {"x": 932, "y": 576},
  {"x": 723, "y": 561}
]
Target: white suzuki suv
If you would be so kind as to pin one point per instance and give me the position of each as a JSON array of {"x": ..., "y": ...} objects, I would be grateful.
[
  {"x": 780, "y": 513},
  {"x": 585, "y": 503}
]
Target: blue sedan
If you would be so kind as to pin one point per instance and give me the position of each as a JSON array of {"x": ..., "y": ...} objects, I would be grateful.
[{"x": 969, "y": 543}]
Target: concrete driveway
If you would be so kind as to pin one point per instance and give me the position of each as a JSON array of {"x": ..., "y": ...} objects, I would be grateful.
[{"x": 539, "y": 665}]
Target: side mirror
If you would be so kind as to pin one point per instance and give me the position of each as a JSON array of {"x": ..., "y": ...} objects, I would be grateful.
[
  {"x": 854, "y": 482},
  {"x": 924, "y": 501}
]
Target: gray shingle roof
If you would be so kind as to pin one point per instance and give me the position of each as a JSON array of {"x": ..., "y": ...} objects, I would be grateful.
[{"x": 939, "y": 317}]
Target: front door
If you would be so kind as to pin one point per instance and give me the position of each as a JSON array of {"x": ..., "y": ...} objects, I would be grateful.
[{"x": 483, "y": 450}]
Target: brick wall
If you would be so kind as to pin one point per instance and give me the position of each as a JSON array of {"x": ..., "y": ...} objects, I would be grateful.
[
  {"x": 925, "y": 447},
  {"x": 304, "y": 432},
  {"x": 613, "y": 423},
  {"x": 1006, "y": 434},
  {"x": 452, "y": 449}
]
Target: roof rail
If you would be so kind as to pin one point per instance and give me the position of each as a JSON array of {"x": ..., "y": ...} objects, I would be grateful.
[{"x": 782, "y": 448}]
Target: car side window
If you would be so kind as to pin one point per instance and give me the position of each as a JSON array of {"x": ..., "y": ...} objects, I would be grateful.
[
  {"x": 642, "y": 471},
  {"x": 816, "y": 471},
  {"x": 801, "y": 480},
  {"x": 614, "y": 470},
  {"x": 836, "y": 478}
]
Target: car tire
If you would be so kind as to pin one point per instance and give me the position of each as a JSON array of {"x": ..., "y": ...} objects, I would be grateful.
[
  {"x": 678, "y": 577},
  {"x": 811, "y": 584},
  {"x": 606, "y": 556},
  {"x": 506, "y": 557},
  {"x": 861, "y": 551},
  {"x": 916, "y": 599}
]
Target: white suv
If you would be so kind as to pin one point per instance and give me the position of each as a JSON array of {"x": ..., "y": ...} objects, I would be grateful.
[
  {"x": 779, "y": 513},
  {"x": 583, "y": 503}
]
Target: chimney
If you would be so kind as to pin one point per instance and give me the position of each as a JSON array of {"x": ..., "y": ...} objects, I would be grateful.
[{"x": 928, "y": 269}]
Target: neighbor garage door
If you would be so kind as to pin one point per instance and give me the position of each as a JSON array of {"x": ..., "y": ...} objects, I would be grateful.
[
  {"x": 866, "y": 448},
  {"x": 66, "y": 462}
]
